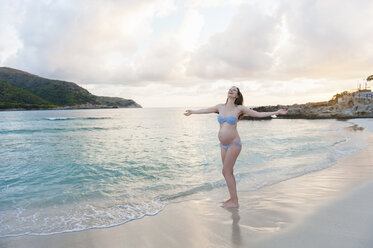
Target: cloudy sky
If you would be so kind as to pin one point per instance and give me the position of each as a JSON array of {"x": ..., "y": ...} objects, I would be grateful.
[{"x": 176, "y": 53}]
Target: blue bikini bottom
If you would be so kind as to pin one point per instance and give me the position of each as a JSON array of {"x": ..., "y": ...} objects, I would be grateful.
[{"x": 227, "y": 146}]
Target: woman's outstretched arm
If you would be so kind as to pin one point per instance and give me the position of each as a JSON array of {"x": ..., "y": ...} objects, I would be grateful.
[
  {"x": 253, "y": 113},
  {"x": 214, "y": 109}
]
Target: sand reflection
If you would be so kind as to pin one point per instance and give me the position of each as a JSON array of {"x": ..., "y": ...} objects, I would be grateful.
[{"x": 236, "y": 230}]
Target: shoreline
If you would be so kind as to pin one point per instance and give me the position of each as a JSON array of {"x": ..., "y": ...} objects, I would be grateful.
[
  {"x": 64, "y": 108},
  {"x": 246, "y": 118},
  {"x": 274, "y": 212},
  {"x": 346, "y": 222}
]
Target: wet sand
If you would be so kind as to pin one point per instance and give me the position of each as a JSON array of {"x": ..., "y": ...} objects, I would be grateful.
[{"x": 328, "y": 208}]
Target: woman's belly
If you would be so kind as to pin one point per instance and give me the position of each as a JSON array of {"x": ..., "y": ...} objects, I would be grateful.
[{"x": 227, "y": 135}]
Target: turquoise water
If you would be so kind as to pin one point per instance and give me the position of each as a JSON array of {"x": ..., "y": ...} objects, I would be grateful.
[{"x": 72, "y": 170}]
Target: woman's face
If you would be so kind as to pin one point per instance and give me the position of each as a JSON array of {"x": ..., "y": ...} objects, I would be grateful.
[{"x": 232, "y": 92}]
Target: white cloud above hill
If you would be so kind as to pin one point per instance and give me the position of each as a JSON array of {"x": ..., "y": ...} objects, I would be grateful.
[{"x": 304, "y": 49}]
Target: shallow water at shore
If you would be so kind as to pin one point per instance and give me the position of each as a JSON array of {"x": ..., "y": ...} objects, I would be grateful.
[{"x": 73, "y": 170}]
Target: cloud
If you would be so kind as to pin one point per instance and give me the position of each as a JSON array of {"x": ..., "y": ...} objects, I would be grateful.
[
  {"x": 9, "y": 42},
  {"x": 262, "y": 44},
  {"x": 327, "y": 39},
  {"x": 83, "y": 40},
  {"x": 162, "y": 62},
  {"x": 242, "y": 51},
  {"x": 303, "y": 39}
]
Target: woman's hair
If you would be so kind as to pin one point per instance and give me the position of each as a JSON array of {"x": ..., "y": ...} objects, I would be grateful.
[{"x": 238, "y": 101}]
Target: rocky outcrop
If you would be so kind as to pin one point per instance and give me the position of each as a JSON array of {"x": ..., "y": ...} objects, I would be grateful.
[
  {"x": 118, "y": 102},
  {"x": 341, "y": 106}
]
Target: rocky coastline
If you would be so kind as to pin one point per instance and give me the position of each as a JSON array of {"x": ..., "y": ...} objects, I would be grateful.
[
  {"x": 345, "y": 105},
  {"x": 82, "y": 106}
]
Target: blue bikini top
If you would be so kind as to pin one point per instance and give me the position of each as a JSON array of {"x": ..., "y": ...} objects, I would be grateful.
[{"x": 229, "y": 119}]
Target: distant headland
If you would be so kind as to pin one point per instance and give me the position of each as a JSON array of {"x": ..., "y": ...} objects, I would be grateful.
[
  {"x": 356, "y": 103},
  {"x": 21, "y": 90}
]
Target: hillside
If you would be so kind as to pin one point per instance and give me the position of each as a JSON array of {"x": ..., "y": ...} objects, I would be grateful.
[
  {"x": 117, "y": 101},
  {"x": 15, "y": 97},
  {"x": 52, "y": 92}
]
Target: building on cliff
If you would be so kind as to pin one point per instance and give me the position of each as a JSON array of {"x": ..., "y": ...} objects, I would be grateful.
[
  {"x": 360, "y": 93},
  {"x": 363, "y": 93}
]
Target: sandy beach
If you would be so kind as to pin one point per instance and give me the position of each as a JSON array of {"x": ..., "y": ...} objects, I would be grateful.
[{"x": 328, "y": 208}]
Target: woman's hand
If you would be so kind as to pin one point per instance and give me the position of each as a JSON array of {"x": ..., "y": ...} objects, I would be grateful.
[
  {"x": 282, "y": 111},
  {"x": 188, "y": 112}
]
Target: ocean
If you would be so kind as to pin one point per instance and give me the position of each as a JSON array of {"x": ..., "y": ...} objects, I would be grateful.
[{"x": 72, "y": 170}]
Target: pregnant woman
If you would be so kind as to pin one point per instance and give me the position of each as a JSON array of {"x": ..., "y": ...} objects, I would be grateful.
[{"x": 229, "y": 114}]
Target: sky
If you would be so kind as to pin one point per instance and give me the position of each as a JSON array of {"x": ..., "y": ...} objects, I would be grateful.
[{"x": 188, "y": 53}]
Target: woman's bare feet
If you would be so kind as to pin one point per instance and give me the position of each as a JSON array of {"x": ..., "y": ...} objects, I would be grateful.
[
  {"x": 224, "y": 202},
  {"x": 230, "y": 204}
]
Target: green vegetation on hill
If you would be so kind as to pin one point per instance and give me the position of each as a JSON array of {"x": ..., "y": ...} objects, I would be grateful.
[
  {"x": 54, "y": 91},
  {"x": 20, "y": 89},
  {"x": 15, "y": 97},
  {"x": 10, "y": 93},
  {"x": 117, "y": 101}
]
